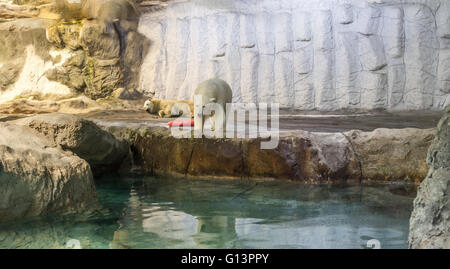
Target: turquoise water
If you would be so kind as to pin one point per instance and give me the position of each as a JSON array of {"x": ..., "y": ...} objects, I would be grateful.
[{"x": 169, "y": 213}]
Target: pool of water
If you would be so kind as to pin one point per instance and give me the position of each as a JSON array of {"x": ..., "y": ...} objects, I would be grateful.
[{"x": 169, "y": 213}]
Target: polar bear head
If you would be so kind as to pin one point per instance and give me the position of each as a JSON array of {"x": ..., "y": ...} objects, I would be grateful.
[{"x": 149, "y": 106}]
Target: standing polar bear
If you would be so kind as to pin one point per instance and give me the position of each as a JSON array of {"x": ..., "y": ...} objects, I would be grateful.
[{"x": 210, "y": 93}]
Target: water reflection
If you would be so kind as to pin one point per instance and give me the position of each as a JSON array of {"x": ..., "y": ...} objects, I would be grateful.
[
  {"x": 160, "y": 223},
  {"x": 211, "y": 214},
  {"x": 165, "y": 213}
]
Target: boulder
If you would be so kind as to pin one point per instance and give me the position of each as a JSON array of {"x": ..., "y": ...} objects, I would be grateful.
[
  {"x": 64, "y": 35},
  {"x": 302, "y": 156},
  {"x": 36, "y": 178},
  {"x": 127, "y": 94},
  {"x": 99, "y": 148},
  {"x": 94, "y": 50},
  {"x": 430, "y": 219},
  {"x": 383, "y": 155},
  {"x": 103, "y": 56},
  {"x": 392, "y": 154}
]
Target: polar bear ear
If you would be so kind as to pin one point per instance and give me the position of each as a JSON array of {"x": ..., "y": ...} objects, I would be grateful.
[{"x": 212, "y": 99}]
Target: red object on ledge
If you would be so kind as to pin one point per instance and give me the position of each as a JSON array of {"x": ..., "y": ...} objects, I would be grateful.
[{"x": 179, "y": 123}]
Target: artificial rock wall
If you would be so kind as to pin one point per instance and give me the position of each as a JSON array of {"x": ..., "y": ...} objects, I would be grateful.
[
  {"x": 88, "y": 47},
  {"x": 303, "y": 54}
]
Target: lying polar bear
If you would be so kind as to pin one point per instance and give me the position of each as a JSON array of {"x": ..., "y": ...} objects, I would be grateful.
[{"x": 168, "y": 108}]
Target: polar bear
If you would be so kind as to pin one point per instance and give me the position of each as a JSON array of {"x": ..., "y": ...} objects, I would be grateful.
[
  {"x": 211, "y": 91},
  {"x": 169, "y": 108}
]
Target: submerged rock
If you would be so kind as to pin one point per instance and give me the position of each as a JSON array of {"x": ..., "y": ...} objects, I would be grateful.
[
  {"x": 430, "y": 219},
  {"x": 100, "y": 149},
  {"x": 36, "y": 178}
]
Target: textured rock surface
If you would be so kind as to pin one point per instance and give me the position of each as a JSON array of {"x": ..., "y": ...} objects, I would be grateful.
[
  {"x": 305, "y": 54},
  {"x": 74, "y": 105},
  {"x": 392, "y": 154},
  {"x": 25, "y": 56},
  {"x": 36, "y": 178},
  {"x": 104, "y": 53},
  {"x": 300, "y": 155},
  {"x": 430, "y": 220},
  {"x": 99, "y": 148},
  {"x": 8, "y": 11},
  {"x": 58, "y": 59}
]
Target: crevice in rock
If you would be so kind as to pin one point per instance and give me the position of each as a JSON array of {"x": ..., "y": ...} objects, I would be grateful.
[
  {"x": 244, "y": 160},
  {"x": 189, "y": 160},
  {"x": 352, "y": 147},
  {"x": 122, "y": 44}
]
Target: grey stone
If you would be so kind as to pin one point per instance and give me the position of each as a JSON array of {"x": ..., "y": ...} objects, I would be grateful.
[
  {"x": 127, "y": 94},
  {"x": 430, "y": 219},
  {"x": 100, "y": 149},
  {"x": 36, "y": 178}
]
